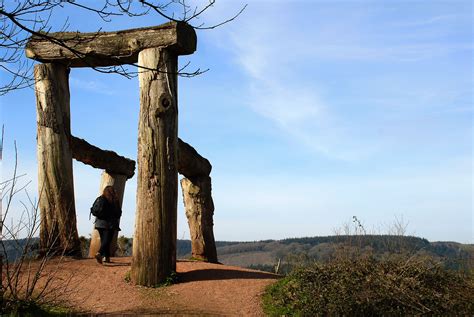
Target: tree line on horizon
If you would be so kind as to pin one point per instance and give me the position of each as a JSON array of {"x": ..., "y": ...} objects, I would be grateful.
[{"x": 453, "y": 255}]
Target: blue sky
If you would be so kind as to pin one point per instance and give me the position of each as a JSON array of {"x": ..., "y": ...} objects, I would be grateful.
[{"x": 312, "y": 112}]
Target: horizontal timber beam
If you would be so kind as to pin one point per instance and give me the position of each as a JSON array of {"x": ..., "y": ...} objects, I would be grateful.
[
  {"x": 110, "y": 161},
  {"x": 77, "y": 49}
]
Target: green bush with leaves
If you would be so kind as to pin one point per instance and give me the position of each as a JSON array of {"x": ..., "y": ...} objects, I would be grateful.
[{"x": 368, "y": 286}]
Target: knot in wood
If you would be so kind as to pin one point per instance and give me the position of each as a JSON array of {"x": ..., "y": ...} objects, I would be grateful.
[
  {"x": 133, "y": 44},
  {"x": 164, "y": 104}
]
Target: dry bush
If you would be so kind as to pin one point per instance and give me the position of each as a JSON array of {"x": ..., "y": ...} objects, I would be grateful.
[
  {"x": 368, "y": 287},
  {"x": 358, "y": 281},
  {"x": 27, "y": 278}
]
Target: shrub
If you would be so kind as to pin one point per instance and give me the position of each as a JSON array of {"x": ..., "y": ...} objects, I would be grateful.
[
  {"x": 368, "y": 286},
  {"x": 33, "y": 309},
  {"x": 26, "y": 286}
]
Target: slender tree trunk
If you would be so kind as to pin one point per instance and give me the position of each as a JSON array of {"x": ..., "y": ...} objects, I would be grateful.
[
  {"x": 199, "y": 211},
  {"x": 118, "y": 182},
  {"x": 58, "y": 231},
  {"x": 154, "y": 243}
]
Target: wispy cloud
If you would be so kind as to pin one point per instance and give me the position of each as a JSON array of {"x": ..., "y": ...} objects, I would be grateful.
[
  {"x": 94, "y": 86},
  {"x": 426, "y": 21},
  {"x": 279, "y": 52},
  {"x": 279, "y": 92},
  {"x": 387, "y": 52}
]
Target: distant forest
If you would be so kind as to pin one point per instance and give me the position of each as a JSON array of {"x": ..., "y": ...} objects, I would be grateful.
[{"x": 265, "y": 255}]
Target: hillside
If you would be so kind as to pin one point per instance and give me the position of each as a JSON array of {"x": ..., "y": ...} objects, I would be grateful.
[
  {"x": 212, "y": 289},
  {"x": 265, "y": 254}
]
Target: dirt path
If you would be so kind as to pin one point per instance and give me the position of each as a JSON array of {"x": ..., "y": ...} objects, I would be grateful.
[{"x": 203, "y": 289}]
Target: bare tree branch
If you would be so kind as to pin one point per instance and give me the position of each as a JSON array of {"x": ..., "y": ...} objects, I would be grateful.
[{"x": 21, "y": 19}]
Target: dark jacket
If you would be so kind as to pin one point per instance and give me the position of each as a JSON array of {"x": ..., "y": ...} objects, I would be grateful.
[{"x": 112, "y": 216}]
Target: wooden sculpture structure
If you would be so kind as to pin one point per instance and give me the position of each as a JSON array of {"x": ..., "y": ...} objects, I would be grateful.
[{"x": 161, "y": 155}]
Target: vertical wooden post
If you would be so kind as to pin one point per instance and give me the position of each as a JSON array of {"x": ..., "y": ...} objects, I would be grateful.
[
  {"x": 199, "y": 211},
  {"x": 58, "y": 230},
  {"x": 154, "y": 243},
  {"x": 118, "y": 182}
]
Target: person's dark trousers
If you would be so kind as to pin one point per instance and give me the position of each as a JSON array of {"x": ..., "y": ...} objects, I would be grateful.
[{"x": 106, "y": 236}]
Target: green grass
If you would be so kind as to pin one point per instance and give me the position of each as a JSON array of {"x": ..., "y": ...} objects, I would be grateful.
[
  {"x": 170, "y": 280},
  {"x": 371, "y": 287},
  {"x": 128, "y": 276}
]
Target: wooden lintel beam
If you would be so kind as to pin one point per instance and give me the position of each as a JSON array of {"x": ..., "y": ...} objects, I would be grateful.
[
  {"x": 110, "y": 161},
  {"x": 77, "y": 49},
  {"x": 190, "y": 163}
]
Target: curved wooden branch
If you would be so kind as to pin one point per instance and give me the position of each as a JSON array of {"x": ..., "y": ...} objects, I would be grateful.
[
  {"x": 103, "y": 159},
  {"x": 190, "y": 163}
]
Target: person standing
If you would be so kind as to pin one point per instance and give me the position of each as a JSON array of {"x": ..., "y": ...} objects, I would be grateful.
[{"x": 107, "y": 221}]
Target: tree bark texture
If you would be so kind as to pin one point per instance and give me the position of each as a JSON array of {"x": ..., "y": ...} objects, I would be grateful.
[
  {"x": 58, "y": 229},
  {"x": 154, "y": 243},
  {"x": 190, "y": 163},
  {"x": 199, "y": 211},
  {"x": 110, "y": 161},
  {"x": 77, "y": 49},
  {"x": 118, "y": 182}
]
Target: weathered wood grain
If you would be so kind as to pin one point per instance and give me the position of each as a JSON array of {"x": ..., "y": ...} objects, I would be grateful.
[
  {"x": 190, "y": 163},
  {"x": 200, "y": 211},
  {"x": 110, "y": 48},
  {"x": 154, "y": 243},
  {"x": 58, "y": 228}
]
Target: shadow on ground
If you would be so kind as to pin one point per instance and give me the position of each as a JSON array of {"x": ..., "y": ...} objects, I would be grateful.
[
  {"x": 112, "y": 263},
  {"x": 222, "y": 274}
]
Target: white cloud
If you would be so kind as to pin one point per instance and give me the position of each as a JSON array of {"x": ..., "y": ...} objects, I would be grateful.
[
  {"x": 278, "y": 49},
  {"x": 272, "y": 52},
  {"x": 427, "y": 21},
  {"x": 94, "y": 86},
  {"x": 387, "y": 52},
  {"x": 285, "y": 104}
]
